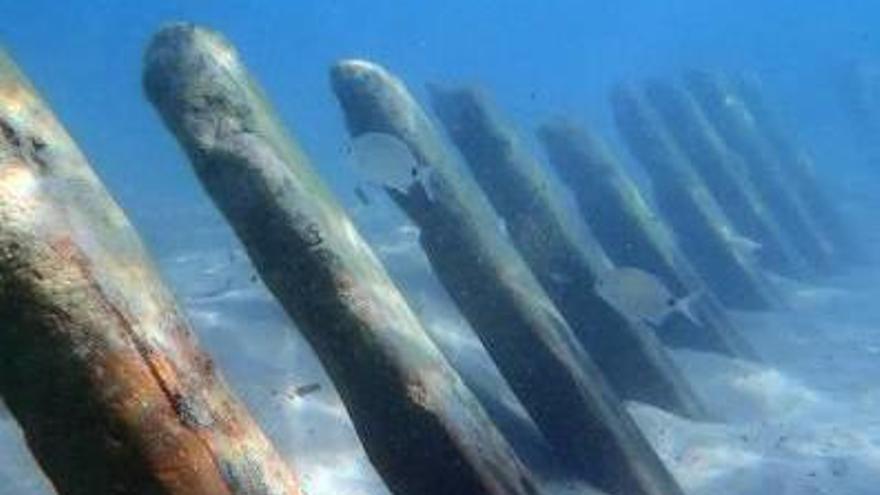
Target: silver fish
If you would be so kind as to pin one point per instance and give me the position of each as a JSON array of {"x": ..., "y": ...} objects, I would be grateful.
[
  {"x": 643, "y": 296},
  {"x": 745, "y": 247},
  {"x": 740, "y": 108},
  {"x": 386, "y": 161}
]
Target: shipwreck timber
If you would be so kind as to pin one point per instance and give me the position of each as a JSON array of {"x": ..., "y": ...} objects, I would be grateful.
[
  {"x": 97, "y": 363},
  {"x": 799, "y": 169},
  {"x": 634, "y": 235},
  {"x": 733, "y": 121},
  {"x": 567, "y": 265},
  {"x": 421, "y": 427},
  {"x": 726, "y": 176},
  {"x": 526, "y": 335},
  {"x": 688, "y": 206}
]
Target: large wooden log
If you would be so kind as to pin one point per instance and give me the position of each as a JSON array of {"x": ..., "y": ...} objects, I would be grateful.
[
  {"x": 421, "y": 427},
  {"x": 528, "y": 338},
  {"x": 733, "y": 121},
  {"x": 688, "y": 206},
  {"x": 634, "y": 235},
  {"x": 97, "y": 363},
  {"x": 725, "y": 174},
  {"x": 799, "y": 168}
]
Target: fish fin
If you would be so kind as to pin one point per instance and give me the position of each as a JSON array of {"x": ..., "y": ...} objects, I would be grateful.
[
  {"x": 685, "y": 306},
  {"x": 560, "y": 278},
  {"x": 502, "y": 227},
  {"x": 750, "y": 246},
  {"x": 215, "y": 293},
  {"x": 653, "y": 324},
  {"x": 744, "y": 246},
  {"x": 362, "y": 196},
  {"x": 425, "y": 179}
]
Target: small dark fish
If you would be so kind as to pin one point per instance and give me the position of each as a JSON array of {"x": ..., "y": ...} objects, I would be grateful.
[
  {"x": 299, "y": 392},
  {"x": 215, "y": 292},
  {"x": 305, "y": 390},
  {"x": 362, "y": 195}
]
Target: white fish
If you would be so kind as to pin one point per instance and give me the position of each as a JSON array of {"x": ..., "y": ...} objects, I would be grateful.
[
  {"x": 560, "y": 278},
  {"x": 744, "y": 246},
  {"x": 502, "y": 227},
  {"x": 386, "y": 161},
  {"x": 740, "y": 107},
  {"x": 643, "y": 296}
]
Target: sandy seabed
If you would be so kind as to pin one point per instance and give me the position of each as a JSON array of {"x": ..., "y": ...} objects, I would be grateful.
[{"x": 805, "y": 422}]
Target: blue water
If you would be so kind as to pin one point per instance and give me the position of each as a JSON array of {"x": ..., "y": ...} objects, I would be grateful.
[{"x": 539, "y": 59}]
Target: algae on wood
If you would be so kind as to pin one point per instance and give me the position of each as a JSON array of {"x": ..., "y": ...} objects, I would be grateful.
[
  {"x": 421, "y": 427},
  {"x": 689, "y": 208},
  {"x": 733, "y": 121},
  {"x": 97, "y": 362},
  {"x": 634, "y": 235},
  {"x": 725, "y": 174},
  {"x": 531, "y": 342}
]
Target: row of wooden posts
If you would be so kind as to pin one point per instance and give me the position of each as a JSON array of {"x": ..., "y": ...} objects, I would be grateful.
[{"x": 114, "y": 395}]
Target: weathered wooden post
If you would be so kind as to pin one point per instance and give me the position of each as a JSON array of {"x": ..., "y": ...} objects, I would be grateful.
[
  {"x": 725, "y": 174},
  {"x": 798, "y": 167},
  {"x": 421, "y": 427},
  {"x": 633, "y": 235},
  {"x": 530, "y": 341},
  {"x": 733, "y": 121},
  {"x": 97, "y": 363},
  {"x": 688, "y": 206}
]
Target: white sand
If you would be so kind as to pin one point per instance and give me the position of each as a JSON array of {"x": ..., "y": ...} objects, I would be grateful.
[{"x": 803, "y": 423}]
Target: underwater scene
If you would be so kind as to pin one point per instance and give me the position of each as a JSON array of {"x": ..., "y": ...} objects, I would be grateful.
[{"x": 478, "y": 247}]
